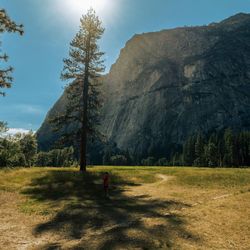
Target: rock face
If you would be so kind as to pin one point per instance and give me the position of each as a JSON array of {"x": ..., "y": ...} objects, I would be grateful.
[{"x": 168, "y": 85}]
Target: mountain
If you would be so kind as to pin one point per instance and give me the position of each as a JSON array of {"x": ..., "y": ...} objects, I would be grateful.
[{"x": 168, "y": 85}]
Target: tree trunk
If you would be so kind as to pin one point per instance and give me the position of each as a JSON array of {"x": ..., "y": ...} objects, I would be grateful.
[
  {"x": 84, "y": 137},
  {"x": 83, "y": 149}
]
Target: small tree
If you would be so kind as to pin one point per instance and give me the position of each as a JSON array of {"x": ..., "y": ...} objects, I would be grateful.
[
  {"x": 119, "y": 160},
  {"x": 199, "y": 150},
  {"x": 211, "y": 154},
  {"x": 56, "y": 158},
  {"x": 28, "y": 144},
  {"x": 3, "y": 128},
  {"x": 228, "y": 148},
  {"x": 150, "y": 161},
  {"x": 162, "y": 162},
  {"x": 244, "y": 148},
  {"x": 42, "y": 159},
  {"x": 83, "y": 67},
  {"x": 189, "y": 151},
  {"x": 11, "y": 154},
  {"x": 7, "y": 25}
]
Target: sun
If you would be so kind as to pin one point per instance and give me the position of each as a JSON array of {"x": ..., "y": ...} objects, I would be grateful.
[
  {"x": 80, "y": 6},
  {"x": 70, "y": 11}
]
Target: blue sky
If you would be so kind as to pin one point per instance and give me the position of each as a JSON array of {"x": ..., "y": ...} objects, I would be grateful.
[{"x": 51, "y": 24}]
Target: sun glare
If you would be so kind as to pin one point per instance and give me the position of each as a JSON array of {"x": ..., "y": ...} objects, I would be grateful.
[{"x": 80, "y": 6}]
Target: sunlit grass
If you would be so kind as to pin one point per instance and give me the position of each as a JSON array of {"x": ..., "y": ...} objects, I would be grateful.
[
  {"x": 63, "y": 183},
  {"x": 68, "y": 198},
  {"x": 17, "y": 179}
]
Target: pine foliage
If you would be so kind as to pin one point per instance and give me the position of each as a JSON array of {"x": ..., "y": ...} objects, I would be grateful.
[
  {"x": 7, "y": 25},
  {"x": 83, "y": 67}
]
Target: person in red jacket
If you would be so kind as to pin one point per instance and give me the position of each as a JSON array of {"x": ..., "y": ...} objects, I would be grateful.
[{"x": 106, "y": 183}]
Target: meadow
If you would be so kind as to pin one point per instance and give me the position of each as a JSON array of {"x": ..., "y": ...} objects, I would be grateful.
[{"x": 147, "y": 208}]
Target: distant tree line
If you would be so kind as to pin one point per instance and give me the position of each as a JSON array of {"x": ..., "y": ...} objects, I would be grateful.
[
  {"x": 227, "y": 149},
  {"x": 222, "y": 149},
  {"x": 56, "y": 158},
  {"x": 21, "y": 150}
]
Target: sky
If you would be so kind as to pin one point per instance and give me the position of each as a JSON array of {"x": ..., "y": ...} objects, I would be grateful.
[{"x": 50, "y": 25}]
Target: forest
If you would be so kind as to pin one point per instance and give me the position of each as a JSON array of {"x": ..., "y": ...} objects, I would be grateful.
[{"x": 228, "y": 149}]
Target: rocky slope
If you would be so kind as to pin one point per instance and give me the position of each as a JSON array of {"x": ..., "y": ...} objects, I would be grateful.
[{"x": 167, "y": 85}]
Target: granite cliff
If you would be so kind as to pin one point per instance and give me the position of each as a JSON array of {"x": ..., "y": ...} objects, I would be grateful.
[{"x": 167, "y": 85}]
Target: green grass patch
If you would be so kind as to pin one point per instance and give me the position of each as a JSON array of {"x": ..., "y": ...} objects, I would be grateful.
[
  {"x": 212, "y": 178},
  {"x": 49, "y": 189}
]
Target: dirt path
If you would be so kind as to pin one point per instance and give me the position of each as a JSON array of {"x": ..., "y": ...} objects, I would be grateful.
[
  {"x": 163, "y": 178},
  {"x": 151, "y": 190},
  {"x": 158, "y": 189}
]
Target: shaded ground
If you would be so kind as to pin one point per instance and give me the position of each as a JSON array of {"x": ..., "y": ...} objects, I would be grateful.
[
  {"x": 67, "y": 210},
  {"x": 114, "y": 223}
]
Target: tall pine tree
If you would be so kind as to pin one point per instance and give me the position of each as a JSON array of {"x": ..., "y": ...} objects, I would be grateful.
[{"x": 83, "y": 67}]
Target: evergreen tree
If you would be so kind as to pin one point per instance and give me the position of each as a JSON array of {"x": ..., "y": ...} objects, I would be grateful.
[
  {"x": 28, "y": 144},
  {"x": 223, "y": 148},
  {"x": 211, "y": 154},
  {"x": 228, "y": 148},
  {"x": 189, "y": 151},
  {"x": 247, "y": 161},
  {"x": 244, "y": 148},
  {"x": 119, "y": 160},
  {"x": 106, "y": 157},
  {"x": 177, "y": 159},
  {"x": 199, "y": 150},
  {"x": 3, "y": 128},
  {"x": 11, "y": 154},
  {"x": 236, "y": 151},
  {"x": 83, "y": 67},
  {"x": 162, "y": 162},
  {"x": 56, "y": 158},
  {"x": 7, "y": 25},
  {"x": 150, "y": 161},
  {"x": 128, "y": 157}
]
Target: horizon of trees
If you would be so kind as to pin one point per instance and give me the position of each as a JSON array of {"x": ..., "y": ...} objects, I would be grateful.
[
  {"x": 220, "y": 149},
  {"x": 223, "y": 149},
  {"x": 227, "y": 148},
  {"x": 21, "y": 150}
]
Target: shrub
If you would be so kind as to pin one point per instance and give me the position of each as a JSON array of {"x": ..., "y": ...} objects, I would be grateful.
[
  {"x": 118, "y": 160},
  {"x": 150, "y": 161},
  {"x": 162, "y": 162}
]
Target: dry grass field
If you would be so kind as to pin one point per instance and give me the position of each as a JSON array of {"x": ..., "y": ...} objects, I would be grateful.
[{"x": 148, "y": 208}]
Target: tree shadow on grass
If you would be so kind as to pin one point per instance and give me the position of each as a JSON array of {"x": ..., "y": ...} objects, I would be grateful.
[{"x": 120, "y": 222}]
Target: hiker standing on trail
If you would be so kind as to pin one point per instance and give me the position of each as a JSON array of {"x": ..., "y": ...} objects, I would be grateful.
[{"x": 106, "y": 183}]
